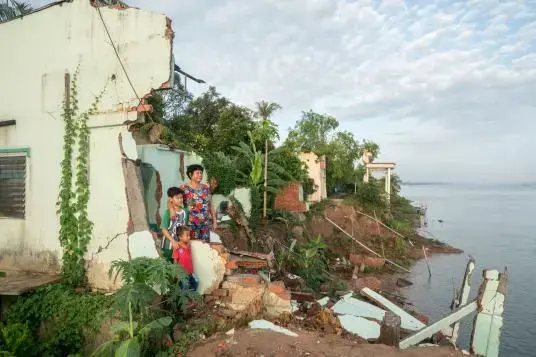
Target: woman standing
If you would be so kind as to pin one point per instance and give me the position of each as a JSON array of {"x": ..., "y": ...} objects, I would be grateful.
[{"x": 197, "y": 197}]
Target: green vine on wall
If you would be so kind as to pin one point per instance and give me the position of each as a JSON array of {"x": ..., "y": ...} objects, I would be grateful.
[{"x": 75, "y": 226}]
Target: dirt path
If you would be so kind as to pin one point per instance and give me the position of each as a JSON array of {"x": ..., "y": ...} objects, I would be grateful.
[{"x": 257, "y": 343}]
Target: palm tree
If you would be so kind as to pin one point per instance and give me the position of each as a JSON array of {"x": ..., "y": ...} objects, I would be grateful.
[
  {"x": 266, "y": 130},
  {"x": 10, "y": 9}
]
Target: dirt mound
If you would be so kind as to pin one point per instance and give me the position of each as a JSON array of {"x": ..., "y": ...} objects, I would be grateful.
[
  {"x": 249, "y": 343},
  {"x": 348, "y": 218}
]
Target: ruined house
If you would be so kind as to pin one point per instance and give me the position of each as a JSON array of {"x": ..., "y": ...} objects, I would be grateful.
[
  {"x": 126, "y": 52},
  {"x": 316, "y": 168}
]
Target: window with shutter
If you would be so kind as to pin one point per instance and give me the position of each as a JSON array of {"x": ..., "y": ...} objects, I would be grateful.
[{"x": 12, "y": 185}]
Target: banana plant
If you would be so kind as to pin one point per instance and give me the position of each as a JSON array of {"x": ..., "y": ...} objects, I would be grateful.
[{"x": 277, "y": 175}]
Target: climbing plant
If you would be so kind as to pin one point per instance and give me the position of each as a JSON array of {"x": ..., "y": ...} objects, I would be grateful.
[{"x": 75, "y": 226}]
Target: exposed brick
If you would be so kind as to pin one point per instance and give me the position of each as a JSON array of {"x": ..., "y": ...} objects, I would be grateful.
[
  {"x": 276, "y": 287},
  {"x": 209, "y": 298},
  {"x": 231, "y": 264},
  {"x": 244, "y": 279},
  {"x": 288, "y": 199},
  {"x": 220, "y": 292},
  {"x": 252, "y": 264},
  {"x": 285, "y": 295},
  {"x": 144, "y": 108}
]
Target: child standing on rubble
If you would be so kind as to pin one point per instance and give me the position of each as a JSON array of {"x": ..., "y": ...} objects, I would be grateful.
[
  {"x": 182, "y": 255},
  {"x": 174, "y": 216}
]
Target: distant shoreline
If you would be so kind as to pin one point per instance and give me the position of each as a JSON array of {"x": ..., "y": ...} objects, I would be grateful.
[{"x": 485, "y": 184}]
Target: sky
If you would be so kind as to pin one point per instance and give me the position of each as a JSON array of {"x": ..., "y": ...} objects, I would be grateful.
[{"x": 446, "y": 88}]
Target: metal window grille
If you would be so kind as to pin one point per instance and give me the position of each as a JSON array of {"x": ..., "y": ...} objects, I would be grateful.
[{"x": 12, "y": 186}]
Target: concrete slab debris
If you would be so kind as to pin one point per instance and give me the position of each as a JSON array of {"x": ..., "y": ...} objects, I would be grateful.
[
  {"x": 408, "y": 322},
  {"x": 209, "y": 267},
  {"x": 360, "y": 326},
  {"x": 294, "y": 306},
  {"x": 267, "y": 325},
  {"x": 323, "y": 301},
  {"x": 358, "y": 308},
  {"x": 215, "y": 238}
]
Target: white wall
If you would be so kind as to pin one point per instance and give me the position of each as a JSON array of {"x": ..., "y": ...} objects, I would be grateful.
[
  {"x": 42, "y": 47},
  {"x": 317, "y": 173}
]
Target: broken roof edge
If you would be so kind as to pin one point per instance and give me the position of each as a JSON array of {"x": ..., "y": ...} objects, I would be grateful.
[
  {"x": 120, "y": 6},
  {"x": 34, "y": 11}
]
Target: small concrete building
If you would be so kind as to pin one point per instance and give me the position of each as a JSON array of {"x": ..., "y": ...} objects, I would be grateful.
[
  {"x": 317, "y": 172},
  {"x": 126, "y": 52}
]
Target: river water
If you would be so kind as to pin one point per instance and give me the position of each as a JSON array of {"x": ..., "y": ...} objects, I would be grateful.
[{"x": 496, "y": 225}]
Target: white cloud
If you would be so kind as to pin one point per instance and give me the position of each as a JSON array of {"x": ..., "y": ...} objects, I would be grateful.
[{"x": 457, "y": 76}]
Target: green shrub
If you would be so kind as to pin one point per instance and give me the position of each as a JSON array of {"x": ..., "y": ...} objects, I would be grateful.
[
  {"x": 15, "y": 340},
  {"x": 370, "y": 197},
  {"x": 64, "y": 318},
  {"x": 310, "y": 262}
]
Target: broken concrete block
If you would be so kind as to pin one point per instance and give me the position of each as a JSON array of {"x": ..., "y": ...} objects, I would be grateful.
[
  {"x": 373, "y": 262},
  {"x": 324, "y": 301},
  {"x": 360, "y": 326},
  {"x": 209, "y": 267},
  {"x": 355, "y": 307},
  {"x": 276, "y": 299},
  {"x": 215, "y": 238},
  {"x": 267, "y": 325},
  {"x": 408, "y": 322},
  {"x": 244, "y": 295}
]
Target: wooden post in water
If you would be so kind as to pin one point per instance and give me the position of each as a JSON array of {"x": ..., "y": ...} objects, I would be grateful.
[
  {"x": 390, "y": 329},
  {"x": 427, "y": 262}
]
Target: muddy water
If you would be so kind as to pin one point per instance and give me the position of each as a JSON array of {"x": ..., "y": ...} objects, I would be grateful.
[{"x": 497, "y": 226}]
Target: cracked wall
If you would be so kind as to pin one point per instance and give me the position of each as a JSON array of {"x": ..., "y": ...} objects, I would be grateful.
[{"x": 34, "y": 73}]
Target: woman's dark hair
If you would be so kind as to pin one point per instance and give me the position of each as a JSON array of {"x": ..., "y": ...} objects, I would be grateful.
[
  {"x": 174, "y": 191},
  {"x": 192, "y": 168}
]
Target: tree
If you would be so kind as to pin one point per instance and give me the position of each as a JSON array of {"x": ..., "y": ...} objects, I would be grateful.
[
  {"x": 208, "y": 123},
  {"x": 266, "y": 130},
  {"x": 371, "y": 147},
  {"x": 290, "y": 161},
  {"x": 342, "y": 154},
  {"x": 312, "y": 132},
  {"x": 10, "y": 9}
]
